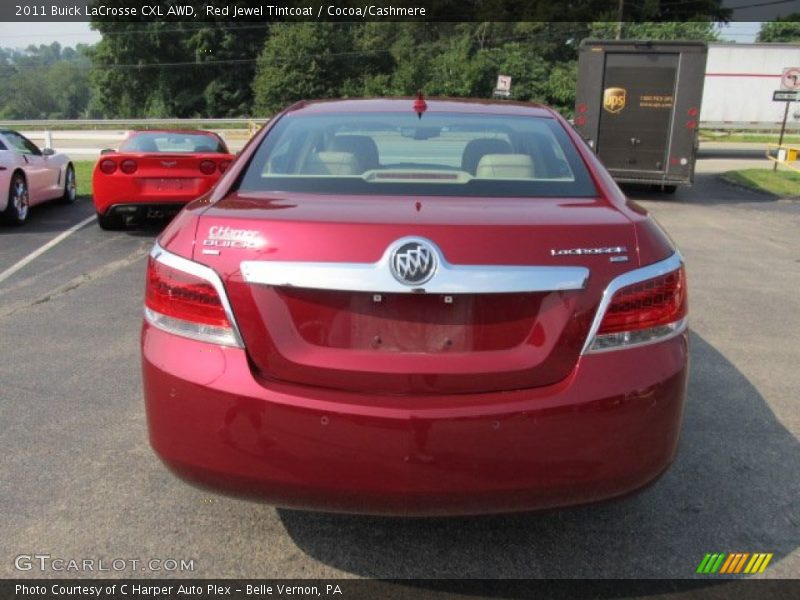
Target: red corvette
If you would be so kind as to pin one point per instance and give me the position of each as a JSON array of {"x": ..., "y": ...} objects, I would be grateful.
[
  {"x": 155, "y": 173},
  {"x": 415, "y": 308}
]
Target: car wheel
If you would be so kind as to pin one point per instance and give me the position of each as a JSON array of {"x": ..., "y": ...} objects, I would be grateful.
[
  {"x": 16, "y": 213},
  {"x": 110, "y": 222},
  {"x": 70, "y": 186}
]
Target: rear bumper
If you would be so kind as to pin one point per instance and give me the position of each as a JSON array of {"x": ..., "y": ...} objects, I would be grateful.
[
  {"x": 144, "y": 208},
  {"x": 651, "y": 179},
  {"x": 607, "y": 430}
]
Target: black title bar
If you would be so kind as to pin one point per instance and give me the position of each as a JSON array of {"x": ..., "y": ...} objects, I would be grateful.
[
  {"x": 395, "y": 10},
  {"x": 710, "y": 588}
]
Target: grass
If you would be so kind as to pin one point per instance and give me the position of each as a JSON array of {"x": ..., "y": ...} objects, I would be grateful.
[
  {"x": 753, "y": 138},
  {"x": 784, "y": 184},
  {"x": 83, "y": 176}
]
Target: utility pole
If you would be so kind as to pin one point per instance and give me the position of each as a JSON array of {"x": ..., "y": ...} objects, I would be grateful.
[{"x": 620, "y": 10}]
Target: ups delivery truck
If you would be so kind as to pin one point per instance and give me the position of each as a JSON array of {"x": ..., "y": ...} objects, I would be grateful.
[{"x": 638, "y": 106}]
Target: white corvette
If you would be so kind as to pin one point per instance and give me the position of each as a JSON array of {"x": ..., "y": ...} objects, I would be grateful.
[{"x": 30, "y": 176}]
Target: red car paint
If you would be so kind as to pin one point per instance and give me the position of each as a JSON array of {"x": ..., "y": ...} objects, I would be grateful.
[
  {"x": 153, "y": 177},
  {"x": 423, "y": 403}
]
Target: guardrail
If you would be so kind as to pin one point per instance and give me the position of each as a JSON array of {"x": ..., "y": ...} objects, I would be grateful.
[
  {"x": 82, "y": 142},
  {"x": 125, "y": 123},
  {"x": 767, "y": 126}
]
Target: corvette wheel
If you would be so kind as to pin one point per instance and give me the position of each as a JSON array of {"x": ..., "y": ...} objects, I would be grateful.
[
  {"x": 70, "y": 186},
  {"x": 110, "y": 222},
  {"x": 16, "y": 213}
]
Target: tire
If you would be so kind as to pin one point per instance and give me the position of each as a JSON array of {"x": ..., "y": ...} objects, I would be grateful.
[
  {"x": 70, "y": 186},
  {"x": 111, "y": 222},
  {"x": 16, "y": 213}
]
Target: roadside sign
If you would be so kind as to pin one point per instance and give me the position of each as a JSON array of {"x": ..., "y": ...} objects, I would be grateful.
[
  {"x": 503, "y": 87},
  {"x": 790, "y": 80},
  {"x": 784, "y": 96},
  {"x": 503, "y": 83}
]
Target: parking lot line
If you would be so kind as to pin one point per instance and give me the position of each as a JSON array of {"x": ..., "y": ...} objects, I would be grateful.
[{"x": 42, "y": 249}]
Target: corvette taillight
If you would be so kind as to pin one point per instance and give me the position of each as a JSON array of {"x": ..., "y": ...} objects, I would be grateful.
[
  {"x": 186, "y": 298},
  {"x": 128, "y": 166},
  {"x": 108, "y": 166},
  {"x": 207, "y": 167},
  {"x": 223, "y": 165},
  {"x": 644, "y": 312}
]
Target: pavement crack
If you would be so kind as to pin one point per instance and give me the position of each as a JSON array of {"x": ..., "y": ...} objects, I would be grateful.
[{"x": 77, "y": 282}]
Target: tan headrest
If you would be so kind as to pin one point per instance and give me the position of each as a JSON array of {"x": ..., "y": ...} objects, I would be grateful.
[
  {"x": 505, "y": 166},
  {"x": 332, "y": 163},
  {"x": 362, "y": 147},
  {"x": 480, "y": 147}
]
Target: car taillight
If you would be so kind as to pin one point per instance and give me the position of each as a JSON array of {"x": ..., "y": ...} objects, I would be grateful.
[
  {"x": 187, "y": 299},
  {"x": 128, "y": 166},
  {"x": 223, "y": 165},
  {"x": 207, "y": 167},
  {"x": 108, "y": 166},
  {"x": 646, "y": 311}
]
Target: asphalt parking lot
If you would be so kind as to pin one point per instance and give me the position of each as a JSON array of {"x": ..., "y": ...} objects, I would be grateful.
[{"x": 79, "y": 479}]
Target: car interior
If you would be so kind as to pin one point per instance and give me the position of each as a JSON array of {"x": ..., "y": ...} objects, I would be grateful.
[{"x": 380, "y": 154}]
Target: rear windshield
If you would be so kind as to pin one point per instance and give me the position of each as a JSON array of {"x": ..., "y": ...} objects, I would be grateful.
[
  {"x": 158, "y": 141},
  {"x": 440, "y": 154}
]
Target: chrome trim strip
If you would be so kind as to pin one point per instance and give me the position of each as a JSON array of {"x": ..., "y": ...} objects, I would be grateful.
[
  {"x": 648, "y": 272},
  {"x": 189, "y": 266},
  {"x": 448, "y": 279}
]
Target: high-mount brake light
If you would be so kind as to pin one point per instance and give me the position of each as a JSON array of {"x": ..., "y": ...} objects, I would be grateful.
[
  {"x": 645, "y": 311},
  {"x": 420, "y": 106},
  {"x": 187, "y": 299}
]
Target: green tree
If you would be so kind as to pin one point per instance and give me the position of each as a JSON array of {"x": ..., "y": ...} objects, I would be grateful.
[
  {"x": 174, "y": 69},
  {"x": 305, "y": 60},
  {"x": 45, "y": 81},
  {"x": 786, "y": 29},
  {"x": 692, "y": 30}
]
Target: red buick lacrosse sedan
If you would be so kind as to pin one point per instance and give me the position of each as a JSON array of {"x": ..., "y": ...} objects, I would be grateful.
[{"x": 416, "y": 308}]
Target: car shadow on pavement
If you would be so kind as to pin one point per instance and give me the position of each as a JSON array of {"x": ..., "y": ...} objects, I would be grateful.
[
  {"x": 708, "y": 189},
  {"x": 52, "y": 217},
  {"x": 734, "y": 487},
  {"x": 56, "y": 217}
]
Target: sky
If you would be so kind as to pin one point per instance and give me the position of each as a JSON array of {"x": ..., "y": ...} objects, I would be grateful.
[{"x": 21, "y": 35}]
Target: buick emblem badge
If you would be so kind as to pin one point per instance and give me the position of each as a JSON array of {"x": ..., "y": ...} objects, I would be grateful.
[{"x": 413, "y": 263}]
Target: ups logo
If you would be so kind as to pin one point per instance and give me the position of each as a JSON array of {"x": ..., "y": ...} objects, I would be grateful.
[{"x": 614, "y": 99}]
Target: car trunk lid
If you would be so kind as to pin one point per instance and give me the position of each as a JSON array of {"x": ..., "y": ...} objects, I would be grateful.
[{"x": 509, "y": 306}]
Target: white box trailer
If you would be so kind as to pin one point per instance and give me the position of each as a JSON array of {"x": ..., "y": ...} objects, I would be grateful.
[{"x": 739, "y": 82}]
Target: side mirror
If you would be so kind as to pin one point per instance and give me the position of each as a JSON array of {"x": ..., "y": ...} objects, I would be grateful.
[
  {"x": 48, "y": 152},
  {"x": 107, "y": 151}
]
